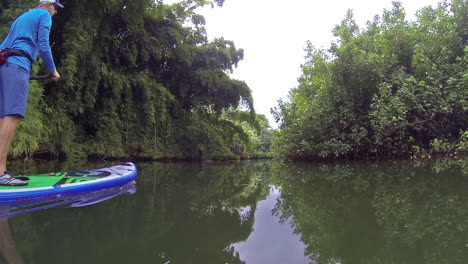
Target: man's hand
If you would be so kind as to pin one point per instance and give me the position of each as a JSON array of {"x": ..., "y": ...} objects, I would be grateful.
[{"x": 54, "y": 75}]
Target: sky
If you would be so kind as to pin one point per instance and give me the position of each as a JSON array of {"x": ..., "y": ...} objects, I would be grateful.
[{"x": 273, "y": 35}]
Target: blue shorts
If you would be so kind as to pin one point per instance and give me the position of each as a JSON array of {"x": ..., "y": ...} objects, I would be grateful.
[{"x": 14, "y": 82}]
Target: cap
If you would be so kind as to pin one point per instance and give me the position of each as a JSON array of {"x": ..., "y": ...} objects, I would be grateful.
[{"x": 52, "y": 1}]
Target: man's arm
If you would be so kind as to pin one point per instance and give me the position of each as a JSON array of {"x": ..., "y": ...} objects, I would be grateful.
[{"x": 45, "y": 23}]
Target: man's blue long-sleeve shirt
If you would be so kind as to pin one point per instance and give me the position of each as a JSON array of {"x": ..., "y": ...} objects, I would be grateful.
[{"x": 30, "y": 33}]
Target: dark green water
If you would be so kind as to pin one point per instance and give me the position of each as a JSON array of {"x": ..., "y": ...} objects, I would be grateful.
[{"x": 258, "y": 212}]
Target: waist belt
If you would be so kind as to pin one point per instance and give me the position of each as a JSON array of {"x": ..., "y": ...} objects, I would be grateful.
[{"x": 16, "y": 52}]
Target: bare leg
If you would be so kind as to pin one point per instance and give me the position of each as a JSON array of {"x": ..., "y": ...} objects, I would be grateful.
[{"x": 8, "y": 126}]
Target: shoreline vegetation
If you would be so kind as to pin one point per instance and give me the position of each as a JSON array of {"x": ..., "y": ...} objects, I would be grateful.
[
  {"x": 142, "y": 81},
  {"x": 393, "y": 89}
]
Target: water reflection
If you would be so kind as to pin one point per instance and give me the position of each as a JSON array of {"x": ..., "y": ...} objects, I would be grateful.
[
  {"x": 272, "y": 241},
  {"x": 386, "y": 212},
  {"x": 79, "y": 200},
  {"x": 8, "y": 250},
  {"x": 392, "y": 212},
  {"x": 182, "y": 213}
]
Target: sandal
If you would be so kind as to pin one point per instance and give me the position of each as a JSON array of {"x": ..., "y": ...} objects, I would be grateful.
[{"x": 7, "y": 180}]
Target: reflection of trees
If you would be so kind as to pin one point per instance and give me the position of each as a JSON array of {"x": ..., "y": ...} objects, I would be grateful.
[
  {"x": 394, "y": 212},
  {"x": 183, "y": 213}
]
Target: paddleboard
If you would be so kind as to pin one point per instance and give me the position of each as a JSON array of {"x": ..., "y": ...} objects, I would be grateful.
[{"x": 60, "y": 184}]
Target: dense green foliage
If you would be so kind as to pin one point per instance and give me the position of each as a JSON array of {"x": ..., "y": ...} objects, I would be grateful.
[
  {"x": 394, "y": 88},
  {"x": 139, "y": 78}
]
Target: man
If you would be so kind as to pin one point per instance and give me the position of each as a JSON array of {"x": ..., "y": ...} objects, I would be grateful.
[{"x": 28, "y": 37}]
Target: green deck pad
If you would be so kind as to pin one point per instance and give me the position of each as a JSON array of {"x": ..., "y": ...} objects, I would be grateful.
[{"x": 45, "y": 180}]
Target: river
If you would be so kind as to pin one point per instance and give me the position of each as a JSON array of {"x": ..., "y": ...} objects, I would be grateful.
[{"x": 257, "y": 212}]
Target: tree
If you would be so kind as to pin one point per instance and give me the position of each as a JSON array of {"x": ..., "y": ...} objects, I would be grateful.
[
  {"x": 391, "y": 89},
  {"x": 138, "y": 77}
]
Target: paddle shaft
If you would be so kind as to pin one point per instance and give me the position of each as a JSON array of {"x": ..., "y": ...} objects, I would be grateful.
[{"x": 40, "y": 77}]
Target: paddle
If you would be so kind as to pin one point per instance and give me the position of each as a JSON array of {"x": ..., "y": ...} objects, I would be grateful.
[{"x": 40, "y": 77}]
